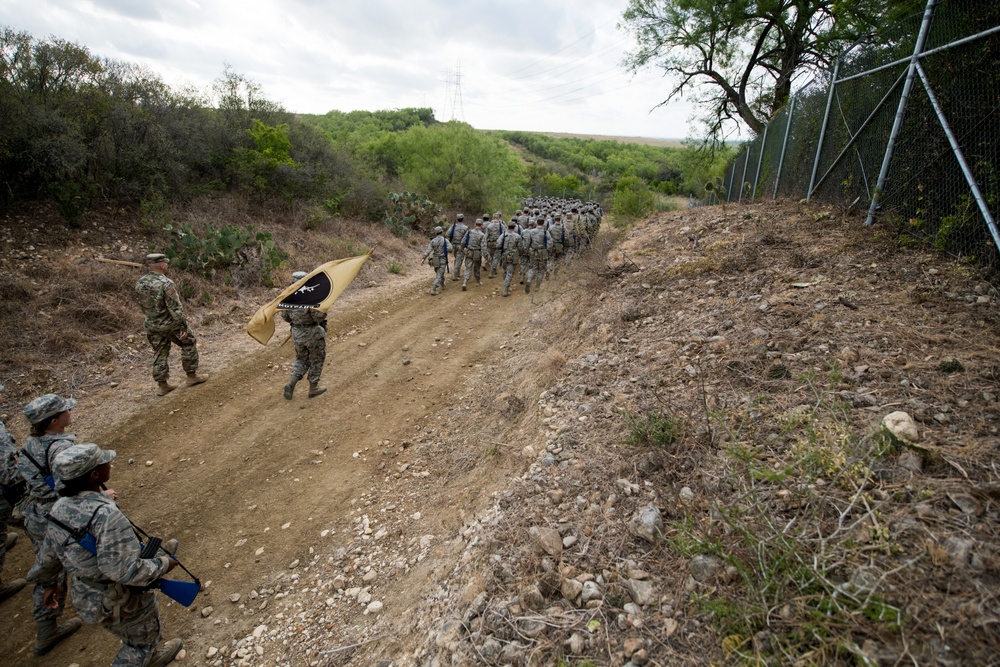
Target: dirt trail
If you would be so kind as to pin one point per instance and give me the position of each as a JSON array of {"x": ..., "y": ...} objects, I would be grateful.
[{"x": 235, "y": 463}]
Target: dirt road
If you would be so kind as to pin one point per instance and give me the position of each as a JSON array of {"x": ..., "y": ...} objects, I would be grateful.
[{"x": 247, "y": 480}]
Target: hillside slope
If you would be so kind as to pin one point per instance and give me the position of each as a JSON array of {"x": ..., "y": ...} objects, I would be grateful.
[{"x": 465, "y": 493}]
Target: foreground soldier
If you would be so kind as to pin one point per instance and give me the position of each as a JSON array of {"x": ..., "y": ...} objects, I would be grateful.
[
  {"x": 437, "y": 250},
  {"x": 165, "y": 324},
  {"x": 472, "y": 245},
  {"x": 10, "y": 482},
  {"x": 509, "y": 246},
  {"x": 49, "y": 415},
  {"x": 558, "y": 233},
  {"x": 90, "y": 537},
  {"x": 309, "y": 336}
]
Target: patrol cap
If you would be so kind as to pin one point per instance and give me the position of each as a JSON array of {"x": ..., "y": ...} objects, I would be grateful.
[
  {"x": 486, "y": 216},
  {"x": 510, "y": 224},
  {"x": 155, "y": 258},
  {"x": 497, "y": 214},
  {"x": 438, "y": 230},
  {"x": 460, "y": 216},
  {"x": 47, "y": 406},
  {"x": 479, "y": 223},
  {"x": 78, "y": 460},
  {"x": 298, "y": 275}
]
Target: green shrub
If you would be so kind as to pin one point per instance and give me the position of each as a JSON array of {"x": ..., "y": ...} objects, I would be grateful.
[
  {"x": 655, "y": 428},
  {"x": 222, "y": 248},
  {"x": 632, "y": 198}
]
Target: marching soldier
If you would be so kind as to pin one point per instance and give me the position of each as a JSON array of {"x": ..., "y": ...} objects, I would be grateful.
[
  {"x": 89, "y": 536},
  {"x": 558, "y": 233},
  {"x": 165, "y": 324},
  {"x": 10, "y": 481},
  {"x": 509, "y": 245},
  {"x": 457, "y": 231},
  {"x": 472, "y": 246},
  {"x": 309, "y": 336},
  {"x": 493, "y": 229},
  {"x": 537, "y": 242},
  {"x": 49, "y": 415},
  {"x": 437, "y": 250}
]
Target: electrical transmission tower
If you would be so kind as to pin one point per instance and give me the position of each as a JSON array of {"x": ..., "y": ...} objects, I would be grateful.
[{"x": 454, "y": 108}]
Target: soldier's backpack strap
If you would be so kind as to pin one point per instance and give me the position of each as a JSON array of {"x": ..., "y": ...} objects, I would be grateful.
[
  {"x": 81, "y": 536},
  {"x": 42, "y": 470}
]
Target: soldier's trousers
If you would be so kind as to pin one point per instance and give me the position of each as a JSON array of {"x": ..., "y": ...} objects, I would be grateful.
[
  {"x": 569, "y": 252},
  {"x": 536, "y": 268},
  {"x": 472, "y": 267},
  {"x": 524, "y": 266},
  {"x": 309, "y": 358},
  {"x": 459, "y": 260},
  {"x": 5, "y": 514},
  {"x": 555, "y": 257},
  {"x": 494, "y": 262},
  {"x": 35, "y": 524},
  {"x": 508, "y": 275},
  {"x": 139, "y": 632},
  {"x": 161, "y": 352},
  {"x": 439, "y": 275}
]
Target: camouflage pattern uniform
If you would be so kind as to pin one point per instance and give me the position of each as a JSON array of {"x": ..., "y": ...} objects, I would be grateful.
[
  {"x": 9, "y": 477},
  {"x": 438, "y": 250},
  {"x": 101, "y": 585},
  {"x": 537, "y": 241},
  {"x": 558, "y": 233},
  {"x": 524, "y": 223},
  {"x": 572, "y": 236},
  {"x": 493, "y": 230},
  {"x": 164, "y": 321},
  {"x": 472, "y": 245},
  {"x": 41, "y": 498},
  {"x": 309, "y": 335},
  {"x": 455, "y": 234},
  {"x": 509, "y": 246}
]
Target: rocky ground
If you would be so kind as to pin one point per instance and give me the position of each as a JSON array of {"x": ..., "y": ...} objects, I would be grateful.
[{"x": 673, "y": 454}]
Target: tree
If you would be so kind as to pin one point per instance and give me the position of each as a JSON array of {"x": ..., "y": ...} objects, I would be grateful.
[{"x": 741, "y": 57}]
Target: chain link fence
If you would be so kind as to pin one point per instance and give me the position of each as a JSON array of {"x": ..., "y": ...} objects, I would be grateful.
[{"x": 906, "y": 125}]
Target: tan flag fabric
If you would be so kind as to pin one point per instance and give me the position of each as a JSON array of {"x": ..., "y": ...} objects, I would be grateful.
[{"x": 317, "y": 290}]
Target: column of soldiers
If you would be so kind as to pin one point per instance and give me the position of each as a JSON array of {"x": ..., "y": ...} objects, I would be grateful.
[{"x": 538, "y": 238}]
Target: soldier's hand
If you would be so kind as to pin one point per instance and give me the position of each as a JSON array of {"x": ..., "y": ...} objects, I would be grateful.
[
  {"x": 50, "y": 597},
  {"x": 171, "y": 564},
  {"x": 423, "y": 260},
  {"x": 183, "y": 334},
  {"x": 111, "y": 493}
]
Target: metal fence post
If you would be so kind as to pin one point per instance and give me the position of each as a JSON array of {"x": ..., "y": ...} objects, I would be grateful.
[
  {"x": 901, "y": 110},
  {"x": 743, "y": 178},
  {"x": 732, "y": 179},
  {"x": 822, "y": 130},
  {"x": 784, "y": 145},
  {"x": 760, "y": 160},
  {"x": 957, "y": 150}
]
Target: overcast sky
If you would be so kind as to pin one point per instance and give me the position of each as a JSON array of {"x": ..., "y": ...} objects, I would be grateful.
[{"x": 544, "y": 65}]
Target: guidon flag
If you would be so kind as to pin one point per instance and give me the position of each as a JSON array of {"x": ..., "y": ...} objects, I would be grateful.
[{"x": 319, "y": 289}]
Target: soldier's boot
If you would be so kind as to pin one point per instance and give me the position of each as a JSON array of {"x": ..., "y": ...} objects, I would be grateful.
[
  {"x": 165, "y": 388},
  {"x": 290, "y": 389},
  {"x": 193, "y": 378},
  {"x": 11, "y": 588},
  {"x": 527, "y": 287},
  {"x": 464, "y": 287},
  {"x": 166, "y": 653},
  {"x": 506, "y": 292},
  {"x": 11, "y": 540},
  {"x": 315, "y": 389},
  {"x": 50, "y": 633},
  {"x": 434, "y": 291}
]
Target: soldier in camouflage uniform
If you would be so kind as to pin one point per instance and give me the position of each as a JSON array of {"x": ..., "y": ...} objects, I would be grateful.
[
  {"x": 472, "y": 246},
  {"x": 558, "y": 234},
  {"x": 455, "y": 234},
  {"x": 493, "y": 229},
  {"x": 509, "y": 246},
  {"x": 49, "y": 415},
  {"x": 165, "y": 324},
  {"x": 537, "y": 241},
  {"x": 110, "y": 585},
  {"x": 437, "y": 250},
  {"x": 10, "y": 482},
  {"x": 309, "y": 336}
]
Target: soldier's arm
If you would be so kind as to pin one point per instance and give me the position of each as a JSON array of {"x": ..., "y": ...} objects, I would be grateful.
[
  {"x": 430, "y": 249},
  {"x": 47, "y": 567},
  {"x": 172, "y": 300},
  {"x": 118, "y": 551},
  {"x": 286, "y": 316}
]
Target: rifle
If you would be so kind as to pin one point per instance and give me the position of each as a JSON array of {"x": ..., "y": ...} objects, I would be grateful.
[
  {"x": 119, "y": 262},
  {"x": 182, "y": 592}
]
